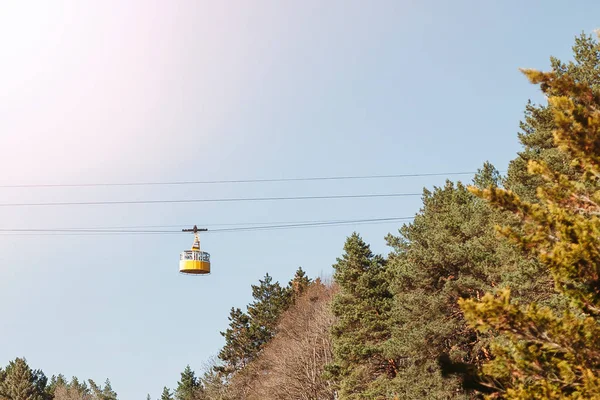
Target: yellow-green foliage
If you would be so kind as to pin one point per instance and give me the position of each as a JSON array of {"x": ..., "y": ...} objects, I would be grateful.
[{"x": 541, "y": 355}]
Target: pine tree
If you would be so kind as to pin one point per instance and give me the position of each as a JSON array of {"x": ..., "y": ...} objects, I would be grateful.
[
  {"x": 487, "y": 176},
  {"x": 95, "y": 389},
  {"x": 80, "y": 387},
  {"x": 543, "y": 354},
  {"x": 363, "y": 307},
  {"x": 537, "y": 128},
  {"x": 189, "y": 387},
  {"x": 291, "y": 366},
  {"x": 99, "y": 392},
  {"x": 148, "y": 397},
  {"x": 299, "y": 283},
  {"x": 56, "y": 381},
  {"x": 249, "y": 332},
  {"x": 166, "y": 394},
  {"x": 239, "y": 344},
  {"x": 20, "y": 382},
  {"x": 270, "y": 300},
  {"x": 214, "y": 386},
  {"x": 64, "y": 392},
  {"x": 107, "y": 392},
  {"x": 449, "y": 251}
]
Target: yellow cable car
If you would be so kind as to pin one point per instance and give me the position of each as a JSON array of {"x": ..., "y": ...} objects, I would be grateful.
[{"x": 194, "y": 261}]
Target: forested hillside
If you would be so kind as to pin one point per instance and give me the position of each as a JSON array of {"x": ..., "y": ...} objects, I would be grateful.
[{"x": 493, "y": 291}]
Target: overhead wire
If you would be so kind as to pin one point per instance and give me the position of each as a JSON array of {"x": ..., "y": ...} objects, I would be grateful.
[
  {"x": 110, "y": 231},
  {"x": 235, "y": 181},
  {"x": 217, "y": 200},
  {"x": 222, "y": 200},
  {"x": 135, "y": 230},
  {"x": 226, "y": 224},
  {"x": 317, "y": 224}
]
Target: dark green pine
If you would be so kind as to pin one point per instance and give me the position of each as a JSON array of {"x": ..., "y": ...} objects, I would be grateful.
[
  {"x": 239, "y": 346},
  {"x": 299, "y": 283},
  {"x": 270, "y": 300},
  {"x": 362, "y": 307},
  {"x": 166, "y": 394},
  {"x": 20, "y": 382},
  {"x": 537, "y": 128},
  {"x": 189, "y": 386}
]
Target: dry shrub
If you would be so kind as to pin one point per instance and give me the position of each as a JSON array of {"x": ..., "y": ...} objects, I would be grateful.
[
  {"x": 291, "y": 366},
  {"x": 63, "y": 392}
]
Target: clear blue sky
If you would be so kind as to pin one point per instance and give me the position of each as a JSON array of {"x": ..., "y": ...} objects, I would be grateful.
[{"x": 145, "y": 91}]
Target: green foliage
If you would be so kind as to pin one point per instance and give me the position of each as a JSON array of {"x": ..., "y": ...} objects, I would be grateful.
[
  {"x": 537, "y": 129},
  {"x": 80, "y": 387},
  {"x": 107, "y": 392},
  {"x": 99, "y": 392},
  {"x": 249, "y": 332},
  {"x": 270, "y": 300},
  {"x": 214, "y": 385},
  {"x": 19, "y": 382},
  {"x": 418, "y": 325},
  {"x": 299, "y": 284},
  {"x": 166, "y": 394},
  {"x": 363, "y": 310},
  {"x": 189, "y": 387},
  {"x": 56, "y": 381},
  {"x": 292, "y": 364},
  {"x": 487, "y": 176},
  {"x": 239, "y": 346},
  {"x": 449, "y": 252},
  {"x": 541, "y": 353}
]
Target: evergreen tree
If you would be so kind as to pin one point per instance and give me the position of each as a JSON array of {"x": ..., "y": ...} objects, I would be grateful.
[
  {"x": 20, "y": 382},
  {"x": 487, "y": 176},
  {"x": 80, "y": 387},
  {"x": 189, "y": 387},
  {"x": 270, "y": 300},
  {"x": 291, "y": 366},
  {"x": 166, "y": 394},
  {"x": 214, "y": 386},
  {"x": 536, "y": 134},
  {"x": 239, "y": 344},
  {"x": 449, "y": 251},
  {"x": 299, "y": 283},
  {"x": 95, "y": 389},
  {"x": 363, "y": 308},
  {"x": 107, "y": 392},
  {"x": 99, "y": 392},
  {"x": 148, "y": 397},
  {"x": 56, "y": 381},
  {"x": 248, "y": 333},
  {"x": 543, "y": 354}
]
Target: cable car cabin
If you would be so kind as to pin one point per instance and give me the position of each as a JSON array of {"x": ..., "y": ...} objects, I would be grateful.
[{"x": 194, "y": 262}]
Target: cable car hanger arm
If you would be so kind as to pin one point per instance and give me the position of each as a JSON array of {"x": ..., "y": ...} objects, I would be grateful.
[{"x": 195, "y": 229}]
